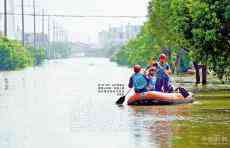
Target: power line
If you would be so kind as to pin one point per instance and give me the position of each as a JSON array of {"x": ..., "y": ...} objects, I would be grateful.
[{"x": 78, "y": 16}]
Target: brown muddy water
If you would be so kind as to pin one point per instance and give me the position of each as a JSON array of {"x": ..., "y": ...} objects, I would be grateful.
[{"x": 57, "y": 105}]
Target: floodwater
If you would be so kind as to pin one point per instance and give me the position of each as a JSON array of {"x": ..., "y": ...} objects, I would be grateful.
[{"x": 57, "y": 105}]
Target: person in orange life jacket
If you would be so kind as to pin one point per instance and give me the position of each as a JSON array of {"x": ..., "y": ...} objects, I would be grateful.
[
  {"x": 138, "y": 81},
  {"x": 150, "y": 75},
  {"x": 162, "y": 75}
]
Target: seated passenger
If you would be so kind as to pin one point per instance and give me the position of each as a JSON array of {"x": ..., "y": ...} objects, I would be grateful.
[
  {"x": 153, "y": 63},
  {"x": 151, "y": 78},
  {"x": 138, "y": 80}
]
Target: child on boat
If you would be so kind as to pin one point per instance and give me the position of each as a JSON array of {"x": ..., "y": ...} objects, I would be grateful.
[{"x": 150, "y": 75}]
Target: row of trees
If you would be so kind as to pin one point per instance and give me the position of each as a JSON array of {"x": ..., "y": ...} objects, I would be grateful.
[
  {"x": 13, "y": 55},
  {"x": 201, "y": 26}
]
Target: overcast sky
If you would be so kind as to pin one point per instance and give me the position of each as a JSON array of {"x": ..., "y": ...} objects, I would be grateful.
[{"x": 85, "y": 29}]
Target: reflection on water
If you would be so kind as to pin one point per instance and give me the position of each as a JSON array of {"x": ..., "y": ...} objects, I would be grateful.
[
  {"x": 154, "y": 123},
  {"x": 57, "y": 105},
  {"x": 6, "y": 83},
  {"x": 208, "y": 126}
]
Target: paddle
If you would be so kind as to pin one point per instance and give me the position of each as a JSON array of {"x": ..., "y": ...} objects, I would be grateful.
[
  {"x": 181, "y": 90},
  {"x": 121, "y": 100}
]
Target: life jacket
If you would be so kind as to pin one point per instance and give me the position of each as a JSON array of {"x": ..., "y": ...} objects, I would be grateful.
[{"x": 139, "y": 81}]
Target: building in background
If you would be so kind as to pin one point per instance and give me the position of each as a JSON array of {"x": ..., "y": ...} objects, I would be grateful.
[
  {"x": 131, "y": 31},
  {"x": 41, "y": 39},
  {"x": 117, "y": 36}
]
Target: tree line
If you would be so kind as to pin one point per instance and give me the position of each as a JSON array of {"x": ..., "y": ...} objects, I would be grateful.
[
  {"x": 14, "y": 56},
  {"x": 202, "y": 27}
]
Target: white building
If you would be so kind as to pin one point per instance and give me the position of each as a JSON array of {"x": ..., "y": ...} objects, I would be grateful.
[
  {"x": 131, "y": 31},
  {"x": 41, "y": 39},
  {"x": 118, "y": 35}
]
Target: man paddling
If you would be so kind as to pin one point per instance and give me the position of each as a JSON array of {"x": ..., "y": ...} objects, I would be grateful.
[{"x": 138, "y": 80}]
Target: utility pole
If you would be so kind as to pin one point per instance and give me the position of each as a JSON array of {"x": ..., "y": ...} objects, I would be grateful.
[
  {"x": 54, "y": 40},
  {"x": 5, "y": 18},
  {"x": 43, "y": 27},
  {"x": 48, "y": 28},
  {"x": 54, "y": 30},
  {"x": 48, "y": 36},
  {"x": 23, "y": 31},
  {"x": 58, "y": 32},
  {"x": 34, "y": 16}
]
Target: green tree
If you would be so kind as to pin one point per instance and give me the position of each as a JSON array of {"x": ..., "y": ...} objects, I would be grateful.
[
  {"x": 139, "y": 49},
  {"x": 13, "y": 55},
  {"x": 201, "y": 26},
  {"x": 204, "y": 25}
]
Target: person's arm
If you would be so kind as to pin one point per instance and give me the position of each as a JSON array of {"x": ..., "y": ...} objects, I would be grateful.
[
  {"x": 168, "y": 70},
  {"x": 146, "y": 69},
  {"x": 147, "y": 79},
  {"x": 130, "y": 82}
]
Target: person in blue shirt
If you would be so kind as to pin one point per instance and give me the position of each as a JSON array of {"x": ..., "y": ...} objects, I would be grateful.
[
  {"x": 150, "y": 75},
  {"x": 138, "y": 81},
  {"x": 162, "y": 75}
]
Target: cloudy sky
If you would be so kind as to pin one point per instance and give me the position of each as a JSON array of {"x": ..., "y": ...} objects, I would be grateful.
[{"x": 86, "y": 29}]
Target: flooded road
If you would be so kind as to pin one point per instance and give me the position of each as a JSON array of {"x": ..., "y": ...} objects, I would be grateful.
[{"x": 57, "y": 105}]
